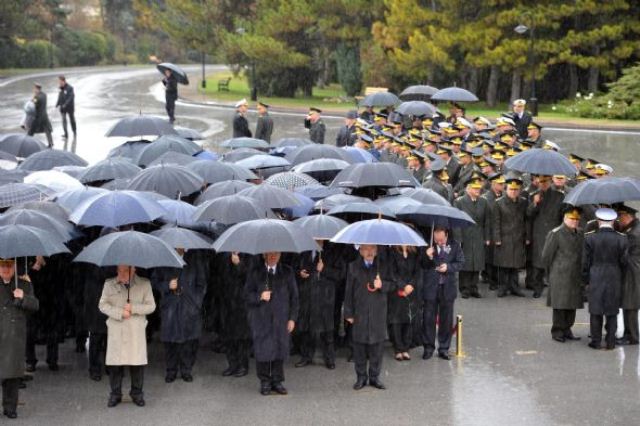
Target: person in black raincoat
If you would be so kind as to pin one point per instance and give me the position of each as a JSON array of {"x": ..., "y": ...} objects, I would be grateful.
[
  {"x": 603, "y": 263},
  {"x": 630, "y": 225},
  {"x": 365, "y": 307},
  {"x": 16, "y": 301},
  {"x": 316, "y": 126},
  {"x": 66, "y": 103},
  {"x": 318, "y": 275},
  {"x": 271, "y": 294},
  {"x": 182, "y": 293},
  {"x": 403, "y": 300},
  {"x": 170, "y": 83},
  {"x": 346, "y": 134},
  {"x": 41, "y": 123},
  {"x": 240, "y": 123},
  {"x": 232, "y": 269}
]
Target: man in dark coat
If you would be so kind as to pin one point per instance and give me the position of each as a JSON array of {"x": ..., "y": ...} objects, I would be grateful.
[
  {"x": 439, "y": 182},
  {"x": 16, "y": 300},
  {"x": 264, "y": 126},
  {"x": 182, "y": 294},
  {"x": 66, "y": 104},
  {"x": 510, "y": 238},
  {"x": 631, "y": 286},
  {"x": 474, "y": 239},
  {"x": 544, "y": 214},
  {"x": 562, "y": 257},
  {"x": 240, "y": 123},
  {"x": 604, "y": 260},
  {"x": 521, "y": 118},
  {"x": 316, "y": 126},
  {"x": 347, "y": 132},
  {"x": 272, "y": 298},
  {"x": 365, "y": 308},
  {"x": 439, "y": 291},
  {"x": 96, "y": 322},
  {"x": 41, "y": 123},
  {"x": 318, "y": 275},
  {"x": 404, "y": 305},
  {"x": 495, "y": 191},
  {"x": 465, "y": 172},
  {"x": 170, "y": 83}
]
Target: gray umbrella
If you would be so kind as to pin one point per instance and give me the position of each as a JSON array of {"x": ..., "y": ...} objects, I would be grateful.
[
  {"x": 183, "y": 238},
  {"x": 380, "y": 99},
  {"x": 20, "y": 144},
  {"x": 109, "y": 169},
  {"x": 231, "y": 209},
  {"x": 416, "y": 109},
  {"x": 141, "y": 125},
  {"x": 425, "y": 196},
  {"x": 167, "y": 179},
  {"x": 607, "y": 190},
  {"x": 216, "y": 171},
  {"x": 418, "y": 93},
  {"x": 13, "y": 194},
  {"x": 361, "y": 211},
  {"x": 178, "y": 72},
  {"x": 241, "y": 154},
  {"x": 62, "y": 230},
  {"x": 265, "y": 235},
  {"x": 454, "y": 94},
  {"x": 381, "y": 175},
  {"x": 176, "y": 158},
  {"x": 12, "y": 176},
  {"x": 271, "y": 196},
  {"x": 47, "y": 160},
  {"x": 323, "y": 169},
  {"x": 316, "y": 151},
  {"x": 168, "y": 143},
  {"x": 116, "y": 184},
  {"x": 395, "y": 203},
  {"x": 187, "y": 133},
  {"x": 129, "y": 150},
  {"x": 47, "y": 207},
  {"x": 338, "y": 199},
  {"x": 72, "y": 199},
  {"x": 25, "y": 241},
  {"x": 220, "y": 189},
  {"x": 266, "y": 161},
  {"x": 244, "y": 143},
  {"x": 295, "y": 142},
  {"x": 291, "y": 180},
  {"x": 321, "y": 226},
  {"x": 540, "y": 161}
]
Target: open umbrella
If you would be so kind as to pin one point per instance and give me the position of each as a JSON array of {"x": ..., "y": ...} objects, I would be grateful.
[
  {"x": 187, "y": 133},
  {"x": 265, "y": 161},
  {"x": 321, "y": 226},
  {"x": 607, "y": 190},
  {"x": 241, "y": 154},
  {"x": 290, "y": 180},
  {"x": 129, "y": 150},
  {"x": 425, "y": 196},
  {"x": 379, "y": 232},
  {"x": 47, "y": 207},
  {"x": 359, "y": 155},
  {"x": 215, "y": 171},
  {"x": 244, "y": 142},
  {"x": 322, "y": 169},
  {"x": 8, "y": 161},
  {"x": 13, "y": 194},
  {"x": 141, "y": 125},
  {"x": 167, "y": 179},
  {"x": 207, "y": 155},
  {"x": 380, "y": 99},
  {"x": 62, "y": 230},
  {"x": 265, "y": 235},
  {"x": 71, "y": 199},
  {"x": 541, "y": 162},
  {"x": 115, "y": 209},
  {"x": 418, "y": 93},
  {"x": 109, "y": 169},
  {"x": 25, "y": 241},
  {"x": 178, "y": 72},
  {"x": 395, "y": 203},
  {"x": 316, "y": 151},
  {"x": 220, "y": 189},
  {"x": 171, "y": 157},
  {"x": 416, "y": 109},
  {"x": 231, "y": 209},
  {"x": 47, "y": 160},
  {"x": 73, "y": 171},
  {"x": 164, "y": 144},
  {"x": 271, "y": 196},
  {"x": 318, "y": 192},
  {"x": 177, "y": 212},
  {"x": 55, "y": 180},
  {"x": 20, "y": 144},
  {"x": 353, "y": 212},
  {"x": 12, "y": 176},
  {"x": 454, "y": 94},
  {"x": 381, "y": 175},
  {"x": 303, "y": 208},
  {"x": 338, "y": 199},
  {"x": 183, "y": 238},
  {"x": 292, "y": 142},
  {"x": 434, "y": 215}
]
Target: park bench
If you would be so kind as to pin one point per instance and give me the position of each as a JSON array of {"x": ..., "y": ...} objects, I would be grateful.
[{"x": 223, "y": 85}]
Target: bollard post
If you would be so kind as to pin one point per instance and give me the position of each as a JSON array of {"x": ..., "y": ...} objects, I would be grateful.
[{"x": 459, "y": 352}]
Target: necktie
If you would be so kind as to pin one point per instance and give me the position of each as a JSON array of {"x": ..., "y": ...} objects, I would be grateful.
[{"x": 271, "y": 271}]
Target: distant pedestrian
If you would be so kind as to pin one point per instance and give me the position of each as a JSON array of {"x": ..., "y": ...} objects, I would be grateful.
[
  {"x": 41, "y": 123},
  {"x": 316, "y": 126},
  {"x": 346, "y": 134},
  {"x": 264, "y": 127},
  {"x": 170, "y": 83},
  {"x": 240, "y": 123},
  {"x": 66, "y": 104}
]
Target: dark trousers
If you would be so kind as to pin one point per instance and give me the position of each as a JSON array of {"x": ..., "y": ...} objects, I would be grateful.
[
  {"x": 48, "y": 133},
  {"x": 401, "y": 336},
  {"x": 630, "y": 325},
  {"x": 537, "y": 281},
  {"x": 309, "y": 342},
  {"x": 10, "y": 394},
  {"x": 51, "y": 342},
  {"x": 72, "y": 120},
  {"x": 337, "y": 311},
  {"x": 468, "y": 281},
  {"x": 611, "y": 326},
  {"x": 508, "y": 279},
  {"x": 116, "y": 373},
  {"x": 563, "y": 320},
  {"x": 372, "y": 352},
  {"x": 181, "y": 356},
  {"x": 97, "y": 352},
  {"x": 270, "y": 371},
  {"x": 491, "y": 275},
  {"x": 432, "y": 310},
  {"x": 237, "y": 352},
  {"x": 170, "y": 106}
]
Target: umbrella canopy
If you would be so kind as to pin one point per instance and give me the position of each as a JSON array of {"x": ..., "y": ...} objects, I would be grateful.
[
  {"x": 130, "y": 248},
  {"x": 207, "y": 155},
  {"x": 418, "y": 93},
  {"x": 220, "y": 189},
  {"x": 129, "y": 150},
  {"x": 73, "y": 171},
  {"x": 361, "y": 211},
  {"x": 72, "y": 199},
  {"x": 271, "y": 196},
  {"x": 141, "y": 125},
  {"x": 47, "y": 207},
  {"x": 243, "y": 142},
  {"x": 178, "y": 72},
  {"x": 241, "y": 154},
  {"x": 109, "y": 169},
  {"x": 380, "y": 99},
  {"x": 381, "y": 175},
  {"x": 303, "y": 208},
  {"x": 416, "y": 109},
  {"x": 454, "y": 94},
  {"x": 12, "y": 176},
  {"x": 231, "y": 209},
  {"x": 8, "y": 161},
  {"x": 167, "y": 179},
  {"x": 177, "y": 212},
  {"x": 541, "y": 162},
  {"x": 187, "y": 133},
  {"x": 316, "y": 151},
  {"x": 24, "y": 241},
  {"x": 47, "y": 160},
  {"x": 214, "y": 171},
  {"x": 55, "y": 180},
  {"x": 20, "y": 144},
  {"x": 265, "y": 235},
  {"x": 322, "y": 169},
  {"x": 171, "y": 157},
  {"x": 359, "y": 155},
  {"x": 13, "y": 194},
  {"x": 318, "y": 192},
  {"x": 338, "y": 199},
  {"x": 265, "y": 161},
  {"x": 426, "y": 196},
  {"x": 183, "y": 238},
  {"x": 292, "y": 142},
  {"x": 116, "y": 184},
  {"x": 434, "y": 215},
  {"x": 379, "y": 232},
  {"x": 607, "y": 190},
  {"x": 62, "y": 230},
  {"x": 164, "y": 144},
  {"x": 291, "y": 180},
  {"x": 115, "y": 209},
  {"x": 395, "y": 203},
  {"x": 321, "y": 226}
]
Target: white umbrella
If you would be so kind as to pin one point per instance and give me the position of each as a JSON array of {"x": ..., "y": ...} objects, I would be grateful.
[{"x": 55, "y": 180}]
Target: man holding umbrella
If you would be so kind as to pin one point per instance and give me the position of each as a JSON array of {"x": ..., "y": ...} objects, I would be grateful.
[
  {"x": 170, "y": 83},
  {"x": 16, "y": 301}
]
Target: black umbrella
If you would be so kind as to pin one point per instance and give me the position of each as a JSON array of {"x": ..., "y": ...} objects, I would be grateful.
[
  {"x": 434, "y": 215},
  {"x": 178, "y": 72},
  {"x": 418, "y": 93},
  {"x": 361, "y": 211},
  {"x": 216, "y": 171},
  {"x": 187, "y": 133},
  {"x": 49, "y": 208},
  {"x": 316, "y": 151},
  {"x": 167, "y": 179},
  {"x": 231, "y": 209},
  {"x": 47, "y": 160},
  {"x": 176, "y": 158},
  {"x": 321, "y": 226},
  {"x": 381, "y": 175},
  {"x": 607, "y": 190},
  {"x": 425, "y": 196},
  {"x": 183, "y": 238},
  {"x": 20, "y": 144},
  {"x": 271, "y": 196},
  {"x": 241, "y": 154},
  {"x": 454, "y": 94},
  {"x": 322, "y": 169},
  {"x": 168, "y": 143},
  {"x": 541, "y": 162},
  {"x": 109, "y": 169},
  {"x": 380, "y": 99},
  {"x": 318, "y": 192},
  {"x": 141, "y": 125},
  {"x": 220, "y": 189},
  {"x": 416, "y": 109},
  {"x": 129, "y": 150},
  {"x": 13, "y": 194},
  {"x": 265, "y": 235}
]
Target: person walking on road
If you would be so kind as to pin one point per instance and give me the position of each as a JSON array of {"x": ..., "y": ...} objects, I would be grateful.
[{"x": 66, "y": 104}]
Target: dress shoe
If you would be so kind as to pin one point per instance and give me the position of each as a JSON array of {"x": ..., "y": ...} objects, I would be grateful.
[
  {"x": 427, "y": 355},
  {"x": 594, "y": 345},
  {"x": 241, "y": 372},
  {"x": 10, "y": 414},
  {"x": 330, "y": 365},
  {"x": 230, "y": 371},
  {"x": 517, "y": 293},
  {"x": 139, "y": 401},
  {"x": 377, "y": 384},
  {"x": 399, "y": 357},
  {"x": 95, "y": 377},
  {"x": 265, "y": 389},
  {"x": 465, "y": 295},
  {"x": 303, "y": 363},
  {"x": 558, "y": 339},
  {"x": 444, "y": 355},
  {"x": 476, "y": 295},
  {"x": 114, "y": 400},
  {"x": 537, "y": 294},
  {"x": 54, "y": 366},
  {"x": 360, "y": 383},
  {"x": 30, "y": 368},
  {"x": 187, "y": 377},
  {"x": 572, "y": 337},
  {"x": 278, "y": 388},
  {"x": 170, "y": 378},
  {"x": 502, "y": 293}
]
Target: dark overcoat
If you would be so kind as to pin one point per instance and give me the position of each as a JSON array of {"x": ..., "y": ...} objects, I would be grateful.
[
  {"x": 240, "y": 126},
  {"x": 631, "y": 285},
  {"x": 402, "y": 309},
  {"x": 509, "y": 229},
  {"x": 543, "y": 218},
  {"x": 473, "y": 238},
  {"x": 562, "y": 259},
  {"x": 453, "y": 256}
]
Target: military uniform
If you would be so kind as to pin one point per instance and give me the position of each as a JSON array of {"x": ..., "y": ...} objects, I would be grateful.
[
  {"x": 631, "y": 284},
  {"x": 264, "y": 127},
  {"x": 317, "y": 131},
  {"x": 509, "y": 235},
  {"x": 240, "y": 126}
]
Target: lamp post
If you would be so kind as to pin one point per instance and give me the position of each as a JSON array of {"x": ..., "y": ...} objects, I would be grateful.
[
  {"x": 204, "y": 80},
  {"x": 533, "y": 101}
]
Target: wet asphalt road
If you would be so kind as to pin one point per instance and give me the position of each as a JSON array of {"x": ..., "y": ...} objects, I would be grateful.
[{"x": 512, "y": 372}]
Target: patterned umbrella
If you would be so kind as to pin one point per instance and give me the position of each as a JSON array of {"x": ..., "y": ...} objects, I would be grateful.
[
  {"x": 47, "y": 160},
  {"x": 13, "y": 194},
  {"x": 379, "y": 232},
  {"x": 291, "y": 180}
]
